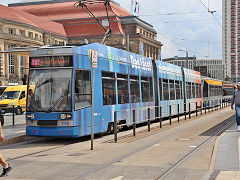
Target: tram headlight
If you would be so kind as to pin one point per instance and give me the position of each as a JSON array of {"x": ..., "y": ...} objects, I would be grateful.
[
  {"x": 30, "y": 116},
  {"x": 65, "y": 116}
]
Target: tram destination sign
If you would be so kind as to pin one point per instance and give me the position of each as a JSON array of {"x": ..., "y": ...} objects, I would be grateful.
[{"x": 51, "y": 61}]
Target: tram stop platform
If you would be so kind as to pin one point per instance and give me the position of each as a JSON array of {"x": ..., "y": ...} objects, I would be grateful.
[{"x": 226, "y": 156}]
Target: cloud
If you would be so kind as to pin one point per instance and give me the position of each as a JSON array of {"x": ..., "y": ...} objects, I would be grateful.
[{"x": 206, "y": 30}]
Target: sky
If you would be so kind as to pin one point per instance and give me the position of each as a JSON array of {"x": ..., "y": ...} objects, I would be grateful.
[{"x": 181, "y": 25}]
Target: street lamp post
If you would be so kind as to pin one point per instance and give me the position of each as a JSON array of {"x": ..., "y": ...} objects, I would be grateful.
[{"x": 186, "y": 55}]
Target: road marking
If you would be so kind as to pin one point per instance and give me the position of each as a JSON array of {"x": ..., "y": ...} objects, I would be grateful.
[
  {"x": 184, "y": 139},
  {"x": 192, "y": 146},
  {"x": 156, "y": 145},
  {"x": 118, "y": 178}
]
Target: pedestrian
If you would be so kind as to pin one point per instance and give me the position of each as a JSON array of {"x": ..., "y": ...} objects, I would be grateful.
[
  {"x": 6, "y": 167},
  {"x": 236, "y": 101}
]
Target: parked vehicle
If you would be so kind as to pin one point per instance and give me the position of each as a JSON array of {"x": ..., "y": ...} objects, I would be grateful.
[{"x": 14, "y": 98}]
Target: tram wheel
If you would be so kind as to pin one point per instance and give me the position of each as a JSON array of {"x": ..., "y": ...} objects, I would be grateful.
[
  {"x": 19, "y": 110},
  {"x": 110, "y": 128}
]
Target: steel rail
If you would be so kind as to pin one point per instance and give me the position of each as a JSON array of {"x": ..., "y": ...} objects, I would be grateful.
[
  {"x": 120, "y": 158},
  {"x": 188, "y": 155}
]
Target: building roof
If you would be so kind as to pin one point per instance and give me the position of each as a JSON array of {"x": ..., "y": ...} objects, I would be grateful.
[
  {"x": 135, "y": 20},
  {"x": 90, "y": 28},
  {"x": 77, "y": 21},
  {"x": 67, "y": 10},
  {"x": 15, "y": 15}
]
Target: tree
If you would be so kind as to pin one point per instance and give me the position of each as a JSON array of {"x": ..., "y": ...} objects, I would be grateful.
[{"x": 228, "y": 78}]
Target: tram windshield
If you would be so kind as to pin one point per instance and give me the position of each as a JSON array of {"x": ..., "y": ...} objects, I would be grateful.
[{"x": 52, "y": 90}]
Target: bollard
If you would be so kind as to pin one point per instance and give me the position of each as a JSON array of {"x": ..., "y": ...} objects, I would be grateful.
[
  {"x": 220, "y": 104},
  {"x": 205, "y": 108},
  {"x": 13, "y": 122},
  {"x": 160, "y": 120},
  {"x": 196, "y": 109},
  {"x": 178, "y": 109},
  {"x": 208, "y": 106},
  {"x": 185, "y": 109},
  {"x": 115, "y": 126},
  {"x": 149, "y": 120},
  {"x": 201, "y": 107},
  {"x": 134, "y": 123},
  {"x": 189, "y": 110},
  {"x": 170, "y": 114}
]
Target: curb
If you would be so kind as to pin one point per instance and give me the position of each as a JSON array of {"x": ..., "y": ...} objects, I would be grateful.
[
  {"x": 214, "y": 154},
  {"x": 17, "y": 139}
]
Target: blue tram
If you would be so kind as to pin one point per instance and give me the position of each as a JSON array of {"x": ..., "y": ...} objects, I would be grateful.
[{"x": 60, "y": 104}]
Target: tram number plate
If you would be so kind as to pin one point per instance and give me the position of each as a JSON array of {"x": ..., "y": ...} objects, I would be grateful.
[{"x": 67, "y": 123}]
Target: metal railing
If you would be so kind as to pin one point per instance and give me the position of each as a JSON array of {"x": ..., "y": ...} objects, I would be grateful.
[
  {"x": 204, "y": 106},
  {"x": 10, "y": 117}
]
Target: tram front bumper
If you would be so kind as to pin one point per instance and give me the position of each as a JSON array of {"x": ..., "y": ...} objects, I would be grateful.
[{"x": 53, "y": 131}]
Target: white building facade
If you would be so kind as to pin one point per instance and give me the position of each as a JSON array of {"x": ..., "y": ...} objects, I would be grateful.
[
  {"x": 215, "y": 67},
  {"x": 231, "y": 38}
]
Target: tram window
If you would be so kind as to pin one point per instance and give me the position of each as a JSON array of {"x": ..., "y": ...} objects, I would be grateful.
[
  {"x": 193, "y": 90},
  {"x": 201, "y": 91},
  {"x": 177, "y": 85},
  {"x": 108, "y": 88},
  {"x": 181, "y": 88},
  {"x": 134, "y": 87},
  {"x": 188, "y": 90},
  {"x": 122, "y": 86},
  {"x": 145, "y": 89},
  {"x": 198, "y": 90},
  {"x": 165, "y": 89},
  {"x": 83, "y": 93},
  {"x": 160, "y": 89},
  {"x": 172, "y": 90},
  {"x": 151, "y": 89},
  {"x": 212, "y": 90}
]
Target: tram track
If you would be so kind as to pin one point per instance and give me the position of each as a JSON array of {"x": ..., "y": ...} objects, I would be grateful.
[
  {"x": 127, "y": 155},
  {"x": 191, "y": 153},
  {"x": 133, "y": 152},
  {"x": 154, "y": 130}
]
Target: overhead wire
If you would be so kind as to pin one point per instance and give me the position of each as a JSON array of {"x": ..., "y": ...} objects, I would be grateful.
[{"x": 175, "y": 13}]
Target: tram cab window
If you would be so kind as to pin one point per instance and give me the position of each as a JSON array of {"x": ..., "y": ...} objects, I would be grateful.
[
  {"x": 83, "y": 93},
  {"x": 108, "y": 88},
  {"x": 134, "y": 87},
  {"x": 160, "y": 89},
  {"x": 165, "y": 89},
  {"x": 122, "y": 86},
  {"x": 172, "y": 90}
]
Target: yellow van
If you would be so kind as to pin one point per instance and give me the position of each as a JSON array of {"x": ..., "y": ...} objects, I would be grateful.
[{"x": 14, "y": 96}]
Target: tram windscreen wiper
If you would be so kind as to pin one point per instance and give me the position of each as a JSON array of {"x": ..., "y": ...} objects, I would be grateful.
[
  {"x": 59, "y": 100},
  {"x": 44, "y": 82}
]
